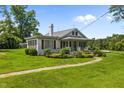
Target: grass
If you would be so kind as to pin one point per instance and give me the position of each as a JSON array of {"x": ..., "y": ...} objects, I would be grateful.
[
  {"x": 16, "y": 60},
  {"x": 108, "y": 73}
]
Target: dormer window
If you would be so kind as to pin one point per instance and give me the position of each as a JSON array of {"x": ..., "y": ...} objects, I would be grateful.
[
  {"x": 76, "y": 33},
  {"x": 73, "y": 33}
]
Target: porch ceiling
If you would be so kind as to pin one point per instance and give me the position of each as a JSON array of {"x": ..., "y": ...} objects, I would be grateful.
[{"x": 74, "y": 38}]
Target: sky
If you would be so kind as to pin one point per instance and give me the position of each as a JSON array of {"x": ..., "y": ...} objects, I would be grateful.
[{"x": 75, "y": 16}]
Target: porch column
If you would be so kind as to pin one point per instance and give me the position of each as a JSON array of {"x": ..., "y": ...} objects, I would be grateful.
[
  {"x": 38, "y": 46},
  {"x": 27, "y": 43},
  {"x": 58, "y": 42},
  {"x": 79, "y": 46}
]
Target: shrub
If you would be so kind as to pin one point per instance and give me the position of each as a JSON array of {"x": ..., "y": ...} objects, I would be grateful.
[
  {"x": 77, "y": 54},
  {"x": 88, "y": 55},
  {"x": 54, "y": 55},
  {"x": 64, "y": 51},
  {"x": 47, "y": 52},
  {"x": 99, "y": 53},
  {"x": 27, "y": 51},
  {"x": 67, "y": 56},
  {"x": 31, "y": 51},
  {"x": 119, "y": 46},
  {"x": 86, "y": 52},
  {"x": 104, "y": 54}
]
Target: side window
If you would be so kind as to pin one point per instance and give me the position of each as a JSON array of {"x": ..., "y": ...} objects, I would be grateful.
[
  {"x": 76, "y": 33},
  {"x": 73, "y": 33},
  {"x": 42, "y": 46},
  {"x": 54, "y": 44}
]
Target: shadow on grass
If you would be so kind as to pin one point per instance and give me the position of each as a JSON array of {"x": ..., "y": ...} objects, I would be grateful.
[{"x": 4, "y": 50}]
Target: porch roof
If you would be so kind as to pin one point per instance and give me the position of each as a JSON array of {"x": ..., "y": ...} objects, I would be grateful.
[
  {"x": 74, "y": 38},
  {"x": 42, "y": 37}
]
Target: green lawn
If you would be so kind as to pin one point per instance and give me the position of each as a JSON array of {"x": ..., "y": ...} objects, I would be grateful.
[
  {"x": 107, "y": 73},
  {"x": 16, "y": 60}
]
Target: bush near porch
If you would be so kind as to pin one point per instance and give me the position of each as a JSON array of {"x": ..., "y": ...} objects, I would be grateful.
[
  {"x": 66, "y": 53},
  {"x": 31, "y": 51}
]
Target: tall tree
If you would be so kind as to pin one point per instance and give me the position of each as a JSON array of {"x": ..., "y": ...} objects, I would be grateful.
[
  {"x": 6, "y": 25},
  {"x": 8, "y": 33},
  {"x": 117, "y": 12},
  {"x": 26, "y": 20}
]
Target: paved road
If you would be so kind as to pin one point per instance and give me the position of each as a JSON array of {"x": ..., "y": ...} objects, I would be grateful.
[{"x": 97, "y": 59}]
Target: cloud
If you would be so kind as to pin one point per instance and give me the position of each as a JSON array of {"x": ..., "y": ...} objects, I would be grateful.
[{"x": 85, "y": 19}]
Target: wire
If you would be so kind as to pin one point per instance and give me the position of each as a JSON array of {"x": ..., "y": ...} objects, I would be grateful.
[{"x": 94, "y": 21}]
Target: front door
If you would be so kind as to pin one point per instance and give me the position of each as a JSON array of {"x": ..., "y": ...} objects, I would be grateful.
[{"x": 75, "y": 46}]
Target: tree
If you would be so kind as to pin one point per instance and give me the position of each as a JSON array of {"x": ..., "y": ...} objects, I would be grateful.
[
  {"x": 117, "y": 12},
  {"x": 119, "y": 46},
  {"x": 6, "y": 25},
  {"x": 8, "y": 32},
  {"x": 116, "y": 42},
  {"x": 18, "y": 23},
  {"x": 26, "y": 20},
  {"x": 9, "y": 41}
]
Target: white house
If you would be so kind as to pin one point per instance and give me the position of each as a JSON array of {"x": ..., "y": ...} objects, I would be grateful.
[{"x": 71, "y": 38}]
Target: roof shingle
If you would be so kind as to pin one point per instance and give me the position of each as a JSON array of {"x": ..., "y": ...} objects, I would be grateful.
[{"x": 61, "y": 33}]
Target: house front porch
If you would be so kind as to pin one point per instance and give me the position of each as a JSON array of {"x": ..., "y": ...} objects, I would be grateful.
[{"x": 74, "y": 43}]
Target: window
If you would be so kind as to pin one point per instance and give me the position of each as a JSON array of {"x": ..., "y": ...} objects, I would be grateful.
[
  {"x": 54, "y": 44},
  {"x": 42, "y": 44},
  {"x": 73, "y": 33},
  {"x": 70, "y": 43},
  {"x": 76, "y": 33},
  {"x": 79, "y": 44},
  {"x": 66, "y": 43},
  {"x": 35, "y": 42},
  {"x": 61, "y": 44}
]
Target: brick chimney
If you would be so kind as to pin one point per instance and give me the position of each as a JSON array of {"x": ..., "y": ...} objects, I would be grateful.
[{"x": 51, "y": 30}]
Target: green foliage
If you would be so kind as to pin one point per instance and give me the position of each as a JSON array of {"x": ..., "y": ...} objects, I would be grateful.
[
  {"x": 119, "y": 46},
  {"x": 18, "y": 23},
  {"x": 109, "y": 43},
  {"x": 78, "y": 54},
  {"x": 66, "y": 56},
  {"x": 55, "y": 55},
  {"x": 104, "y": 54},
  {"x": 64, "y": 51},
  {"x": 6, "y": 25},
  {"x": 117, "y": 12},
  {"x": 8, "y": 41},
  {"x": 47, "y": 52},
  {"x": 27, "y": 23},
  {"x": 88, "y": 55},
  {"x": 31, "y": 51},
  {"x": 9, "y": 35},
  {"x": 99, "y": 53},
  {"x": 27, "y": 51}
]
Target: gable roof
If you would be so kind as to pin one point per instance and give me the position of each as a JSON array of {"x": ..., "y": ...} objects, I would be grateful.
[{"x": 62, "y": 33}]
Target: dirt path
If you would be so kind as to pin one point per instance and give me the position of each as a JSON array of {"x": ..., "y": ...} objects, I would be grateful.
[{"x": 97, "y": 59}]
